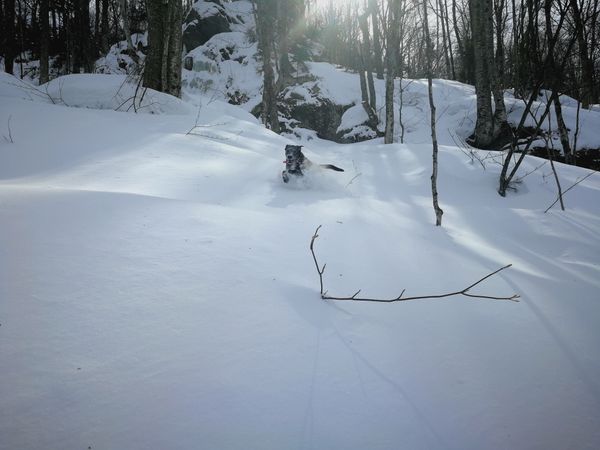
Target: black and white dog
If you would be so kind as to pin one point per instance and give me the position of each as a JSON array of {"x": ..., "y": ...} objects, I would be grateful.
[{"x": 296, "y": 163}]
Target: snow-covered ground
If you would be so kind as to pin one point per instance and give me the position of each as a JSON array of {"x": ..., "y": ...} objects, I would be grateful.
[{"x": 157, "y": 290}]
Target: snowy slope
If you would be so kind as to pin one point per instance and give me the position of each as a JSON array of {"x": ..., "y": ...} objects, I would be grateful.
[{"x": 157, "y": 291}]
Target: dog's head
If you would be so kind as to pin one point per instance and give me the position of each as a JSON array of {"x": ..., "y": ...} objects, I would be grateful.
[{"x": 293, "y": 156}]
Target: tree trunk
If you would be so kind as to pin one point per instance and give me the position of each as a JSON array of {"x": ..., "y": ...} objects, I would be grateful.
[
  {"x": 2, "y": 29},
  {"x": 82, "y": 47},
  {"x": 377, "y": 47},
  {"x": 563, "y": 131},
  {"x": 434, "y": 193},
  {"x": 365, "y": 89},
  {"x": 163, "y": 63},
  {"x": 104, "y": 31},
  {"x": 484, "y": 129},
  {"x": 450, "y": 51},
  {"x": 391, "y": 66},
  {"x": 495, "y": 69},
  {"x": 9, "y": 31},
  {"x": 265, "y": 18},
  {"x": 364, "y": 92},
  {"x": 587, "y": 65},
  {"x": 97, "y": 21},
  {"x": 44, "y": 40},
  {"x": 367, "y": 59},
  {"x": 20, "y": 19},
  {"x": 461, "y": 46},
  {"x": 271, "y": 118},
  {"x": 125, "y": 16},
  {"x": 445, "y": 44}
]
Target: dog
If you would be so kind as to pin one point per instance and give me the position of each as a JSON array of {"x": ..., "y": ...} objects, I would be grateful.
[{"x": 296, "y": 163}]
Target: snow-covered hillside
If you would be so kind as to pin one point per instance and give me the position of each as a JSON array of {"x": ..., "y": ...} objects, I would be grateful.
[{"x": 157, "y": 290}]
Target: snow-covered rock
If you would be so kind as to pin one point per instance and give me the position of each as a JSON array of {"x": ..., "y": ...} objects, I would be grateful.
[
  {"x": 119, "y": 59},
  {"x": 307, "y": 108},
  {"x": 205, "y": 20}
]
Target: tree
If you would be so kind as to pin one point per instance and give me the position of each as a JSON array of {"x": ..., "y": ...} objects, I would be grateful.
[
  {"x": 290, "y": 14},
  {"x": 82, "y": 58},
  {"x": 429, "y": 55},
  {"x": 125, "y": 17},
  {"x": 9, "y": 35},
  {"x": 588, "y": 90},
  {"x": 391, "y": 57},
  {"x": 546, "y": 74},
  {"x": 265, "y": 14},
  {"x": 162, "y": 70},
  {"x": 104, "y": 29},
  {"x": 490, "y": 124},
  {"x": 377, "y": 45},
  {"x": 44, "y": 40},
  {"x": 367, "y": 59}
]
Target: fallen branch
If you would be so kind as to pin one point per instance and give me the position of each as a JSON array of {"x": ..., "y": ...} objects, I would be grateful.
[{"x": 400, "y": 298}]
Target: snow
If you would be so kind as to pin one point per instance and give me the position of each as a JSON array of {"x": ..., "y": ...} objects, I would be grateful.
[
  {"x": 157, "y": 289},
  {"x": 206, "y": 9},
  {"x": 114, "y": 92},
  {"x": 215, "y": 77},
  {"x": 118, "y": 62}
]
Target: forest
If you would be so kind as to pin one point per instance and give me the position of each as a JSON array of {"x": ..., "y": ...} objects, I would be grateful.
[
  {"x": 313, "y": 224},
  {"x": 525, "y": 46}
]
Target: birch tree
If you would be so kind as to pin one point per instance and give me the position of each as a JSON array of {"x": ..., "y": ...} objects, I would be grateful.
[{"x": 429, "y": 56}]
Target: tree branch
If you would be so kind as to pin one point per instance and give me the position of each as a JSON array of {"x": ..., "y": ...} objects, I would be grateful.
[
  {"x": 400, "y": 298},
  {"x": 569, "y": 188}
]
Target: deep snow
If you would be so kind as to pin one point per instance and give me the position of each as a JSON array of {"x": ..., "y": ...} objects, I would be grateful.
[{"x": 157, "y": 290}]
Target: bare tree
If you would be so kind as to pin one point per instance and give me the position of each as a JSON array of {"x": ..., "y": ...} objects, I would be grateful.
[
  {"x": 124, "y": 6},
  {"x": 265, "y": 13},
  {"x": 377, "y": 38},
  {"x": 367, "y": 59},
  {"x": 490, "y": 124},
  {"x": 549, "y": 65},
  {"x": 44, "y": 41},
  {"x": 391, "y": 57},
  {"x": 162, "y": 70},
  {"x": 587, "y": 65},
  {"x": 434, "y": 193},
  {"x": 9, "y": 35}
]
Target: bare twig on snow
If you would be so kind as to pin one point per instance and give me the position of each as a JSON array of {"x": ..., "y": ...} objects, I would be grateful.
[{"x": 400, "y": 298}]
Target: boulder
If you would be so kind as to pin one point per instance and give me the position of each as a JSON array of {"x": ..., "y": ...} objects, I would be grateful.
[
  {"x": 206, "y": 19},
  {"x": 306, "y": 107},
  {"x": 355, "y": 126}
]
